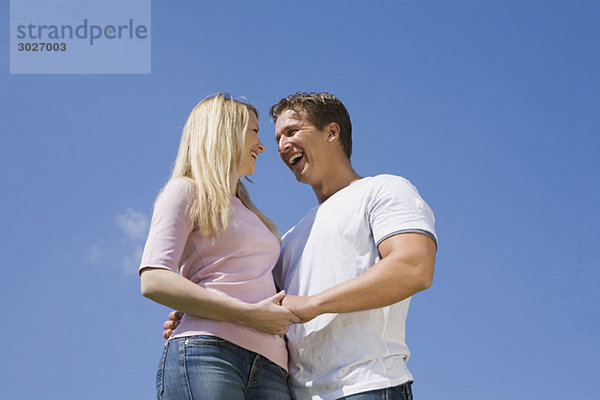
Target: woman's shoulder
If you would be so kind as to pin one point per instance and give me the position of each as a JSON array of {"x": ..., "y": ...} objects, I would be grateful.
[
  {"x": 183, "y": 189},
  {"x": 181, "y": 183}
]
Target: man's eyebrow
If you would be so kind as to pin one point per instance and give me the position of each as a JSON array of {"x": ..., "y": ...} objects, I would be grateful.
[
  {"x": 285, "y": 130},
  {"x": 292, "y": 127}
]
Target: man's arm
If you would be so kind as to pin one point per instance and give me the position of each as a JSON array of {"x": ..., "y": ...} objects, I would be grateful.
[{"x": 406, "y": 267}]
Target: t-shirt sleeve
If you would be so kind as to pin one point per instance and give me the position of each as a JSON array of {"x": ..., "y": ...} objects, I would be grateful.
[
  {"x": 397, "y": 207},
  {"x": 170, "y": 227}
]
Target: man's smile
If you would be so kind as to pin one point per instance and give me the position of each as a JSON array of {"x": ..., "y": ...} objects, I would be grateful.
[{"x": 293, "y": 159}]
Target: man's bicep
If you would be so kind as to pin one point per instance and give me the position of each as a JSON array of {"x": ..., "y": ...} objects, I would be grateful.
[{"x": 414, "y": 249}]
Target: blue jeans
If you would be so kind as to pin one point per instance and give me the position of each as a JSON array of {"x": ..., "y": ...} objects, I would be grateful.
[
  {"x": 400, "y": 392},
  {"x": 208, "y": 367}
]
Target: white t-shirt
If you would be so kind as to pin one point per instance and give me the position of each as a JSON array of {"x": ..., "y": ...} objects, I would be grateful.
[{"x": 336, "y": 355}]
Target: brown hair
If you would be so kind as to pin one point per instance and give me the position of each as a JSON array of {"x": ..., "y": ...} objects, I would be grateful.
[{"x": 320, "y": 108}]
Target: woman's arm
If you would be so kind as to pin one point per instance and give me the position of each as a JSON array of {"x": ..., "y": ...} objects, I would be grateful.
[
  {"x": 172, "y": 290},
  {"x": 169, "y": 231}
]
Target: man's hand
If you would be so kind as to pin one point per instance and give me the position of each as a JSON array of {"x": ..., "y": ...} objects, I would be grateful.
[
  {"x": 405, "y": 268},
  {"x": 269, "y": 316},
  {"x": 302, "y": 306},
  {"x": 172, "y": 323}
]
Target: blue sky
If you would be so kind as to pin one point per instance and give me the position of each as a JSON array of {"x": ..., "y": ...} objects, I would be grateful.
[{"x": 489, "y": 107}]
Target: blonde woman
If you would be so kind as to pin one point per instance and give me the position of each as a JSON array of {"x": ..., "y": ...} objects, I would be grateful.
[{"x": 210, "y": 253}]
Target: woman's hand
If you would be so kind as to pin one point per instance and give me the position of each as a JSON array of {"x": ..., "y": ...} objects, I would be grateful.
[{"x": 269, "y": 316}]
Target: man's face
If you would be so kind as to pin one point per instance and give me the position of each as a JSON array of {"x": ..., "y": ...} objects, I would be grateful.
[{"x": 302, "y": 147}]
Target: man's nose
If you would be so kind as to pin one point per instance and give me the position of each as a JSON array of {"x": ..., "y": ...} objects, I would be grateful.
[{"x": 283, "y": 144}]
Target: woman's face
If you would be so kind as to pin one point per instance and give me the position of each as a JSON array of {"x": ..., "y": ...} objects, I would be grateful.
[{"x": 253, "y": 147}]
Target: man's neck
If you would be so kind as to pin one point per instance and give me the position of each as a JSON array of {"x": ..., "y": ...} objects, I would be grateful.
[{"x": 335, "y": 181}]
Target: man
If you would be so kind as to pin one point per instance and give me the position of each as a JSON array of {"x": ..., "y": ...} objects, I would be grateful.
[{"x": 350, "y": 266}]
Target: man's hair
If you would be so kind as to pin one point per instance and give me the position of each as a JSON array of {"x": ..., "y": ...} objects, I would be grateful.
[{"x": 319, "y": 108}]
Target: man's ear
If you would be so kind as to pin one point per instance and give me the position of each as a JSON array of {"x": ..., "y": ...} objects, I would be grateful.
[{"x": 333, "y": 131}]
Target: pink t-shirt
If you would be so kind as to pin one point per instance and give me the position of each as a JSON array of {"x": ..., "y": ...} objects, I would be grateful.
[{"x": 237, "y": 263}]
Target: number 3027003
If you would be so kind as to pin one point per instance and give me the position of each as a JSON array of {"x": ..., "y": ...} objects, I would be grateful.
[{"x": 41, "y": 46}]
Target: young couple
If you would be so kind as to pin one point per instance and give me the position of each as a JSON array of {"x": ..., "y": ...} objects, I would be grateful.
[{"x": 348, "y": 268}]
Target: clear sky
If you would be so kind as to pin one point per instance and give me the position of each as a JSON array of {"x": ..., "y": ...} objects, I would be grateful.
[{"x": 490, "y": 108}]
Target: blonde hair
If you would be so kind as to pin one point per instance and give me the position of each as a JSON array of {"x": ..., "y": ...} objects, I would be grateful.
[{"x": 209, "y": 154}]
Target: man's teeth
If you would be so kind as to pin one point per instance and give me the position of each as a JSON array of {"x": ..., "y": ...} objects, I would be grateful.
[{"x": 292, "y": 160}]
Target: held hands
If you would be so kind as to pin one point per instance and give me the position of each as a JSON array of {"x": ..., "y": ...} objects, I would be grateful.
[
  {"x": 301, "y": 306},
  {"x": 270, "y": 315}
]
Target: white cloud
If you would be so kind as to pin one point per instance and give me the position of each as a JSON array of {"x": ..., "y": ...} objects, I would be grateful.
[
  {"x": 124, "y": 250},
  {"x": 131, "y": 261},
  {"x": 134, "y": 224}
]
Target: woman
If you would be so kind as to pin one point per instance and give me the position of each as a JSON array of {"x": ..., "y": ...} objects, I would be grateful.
[{"x": 210, "y": 253}]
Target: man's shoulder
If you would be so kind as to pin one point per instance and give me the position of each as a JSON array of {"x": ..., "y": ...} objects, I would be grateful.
[
  {"x": 387, "y": 178},
  {"x": 391, "y": 183}
]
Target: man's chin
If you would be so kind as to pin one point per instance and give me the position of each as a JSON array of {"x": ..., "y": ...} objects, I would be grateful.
[
  {"x": 300, "y": 177},
  {"x": 302, "y": 174},
  {"x": 304, "y": 179}
]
